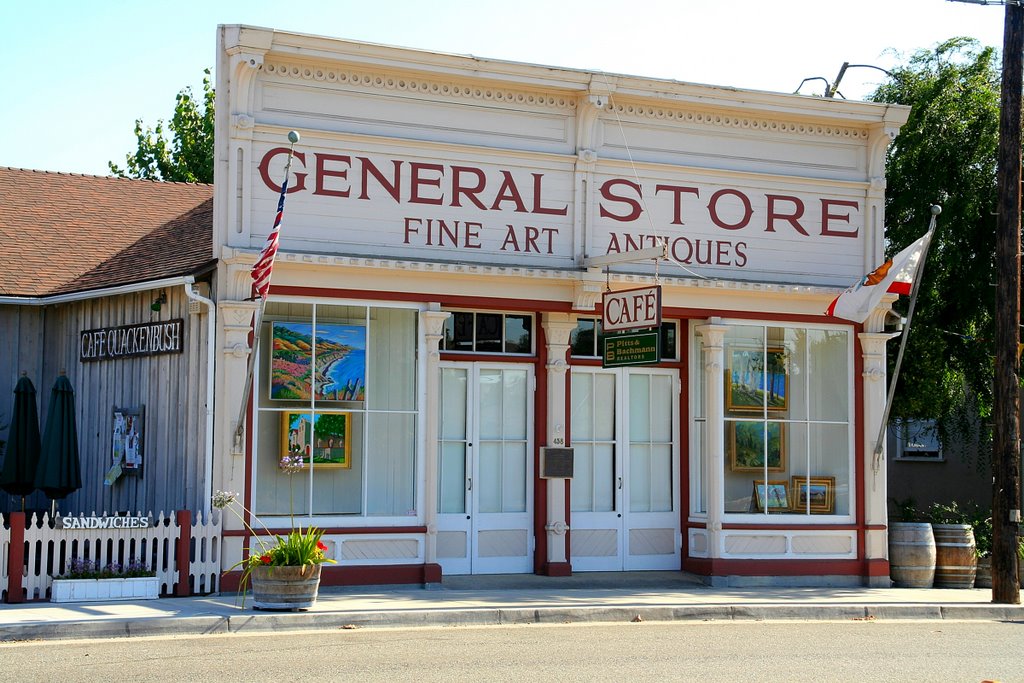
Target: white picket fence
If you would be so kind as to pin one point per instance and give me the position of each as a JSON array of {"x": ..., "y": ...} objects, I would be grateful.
[{"x": 50, "y": 550}]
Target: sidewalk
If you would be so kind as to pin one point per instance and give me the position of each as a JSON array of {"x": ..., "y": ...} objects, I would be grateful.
[{"x": 494, "y": 600}]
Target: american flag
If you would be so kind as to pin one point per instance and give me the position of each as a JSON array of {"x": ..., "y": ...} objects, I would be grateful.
[{"x": 265, "y": 264}]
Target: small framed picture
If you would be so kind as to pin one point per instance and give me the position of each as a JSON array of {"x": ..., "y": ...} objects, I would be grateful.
[
  {"x": 749, "y": 442},
  {"x": 773, "y": 494},
  {"x": 325, "y": 438},
  {"x": 816, "y": 495}
]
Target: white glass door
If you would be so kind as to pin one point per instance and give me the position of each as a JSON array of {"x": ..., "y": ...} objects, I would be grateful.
[
  {"x": 485, "y": 473},
  {"x": 625, "y": 492}
]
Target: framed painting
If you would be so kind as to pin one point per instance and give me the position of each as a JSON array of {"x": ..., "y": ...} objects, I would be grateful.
[
  {"x": 773, "y": 494},
  {"x": 340, "y": 362},
  {"x": 750, "y": 442},
  {"x": 756, "y": 380},
  {"x": 128, "y": 449},
  {"x": 816, "y": 495},
  {"x": 323, "y": 438}
]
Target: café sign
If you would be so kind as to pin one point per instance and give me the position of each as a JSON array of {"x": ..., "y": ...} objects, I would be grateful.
[
  {"x": 631, "y": 309},
  {"x": 129, "y": 341}
]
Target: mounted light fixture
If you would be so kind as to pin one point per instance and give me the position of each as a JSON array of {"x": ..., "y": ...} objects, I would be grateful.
[{"x": 159, "y": 301}]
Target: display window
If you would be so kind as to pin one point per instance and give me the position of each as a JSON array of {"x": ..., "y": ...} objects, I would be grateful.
[
  {"x": 786, "y": 415},
  {"x": 336, "y": 412}
]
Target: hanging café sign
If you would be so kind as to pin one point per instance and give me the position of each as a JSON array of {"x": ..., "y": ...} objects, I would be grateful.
[{"x": 129, "y": 341}]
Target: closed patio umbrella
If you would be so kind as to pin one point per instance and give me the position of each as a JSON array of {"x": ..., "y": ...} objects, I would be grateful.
[
  {"x": 18, "y": 476},
  {"x": 59, "y": 471}
]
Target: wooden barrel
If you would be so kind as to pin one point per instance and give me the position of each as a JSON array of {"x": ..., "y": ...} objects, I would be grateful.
[
  {"x": 911, "y": 554},
  {"x": 285, "y": 588},
  {"x": 955, "y": 561},
  {"x": 983, "y": 579}
]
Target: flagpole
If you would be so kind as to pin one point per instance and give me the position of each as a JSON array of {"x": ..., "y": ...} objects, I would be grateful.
[
  {"x": 918, "y": 273},
  {"x": 261, "y": 299}
]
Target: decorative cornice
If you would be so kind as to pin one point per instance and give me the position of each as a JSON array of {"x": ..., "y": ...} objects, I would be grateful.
[
  {"x": 561, "y": 274},
  {"x": 388, "y": 81},
  {"x": 719, "y": 120}
]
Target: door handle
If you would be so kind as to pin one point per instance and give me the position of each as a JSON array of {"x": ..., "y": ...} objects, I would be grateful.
[
  {"x": 469, "y": 484},
  {"x": 620, "y": 483}
]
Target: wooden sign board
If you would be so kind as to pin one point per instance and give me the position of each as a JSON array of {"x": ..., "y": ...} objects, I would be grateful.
[{"x": 631, "y": 309}]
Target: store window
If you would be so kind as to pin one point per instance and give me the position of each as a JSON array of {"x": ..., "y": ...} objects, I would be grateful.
[
  {"x": 480, "y": 332},
  {"x": 585, "y": 341},
  {"x": 916, "y": 440},
  {"x": 787, "y": 415},
  {"x": 336, "y": 391}
]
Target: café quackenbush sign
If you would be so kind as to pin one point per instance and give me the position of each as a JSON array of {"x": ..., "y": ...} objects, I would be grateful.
[{"x": 130, "y": 341}]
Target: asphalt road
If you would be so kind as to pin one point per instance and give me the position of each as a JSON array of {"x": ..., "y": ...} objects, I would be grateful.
[{"x": 689, "y": 651}]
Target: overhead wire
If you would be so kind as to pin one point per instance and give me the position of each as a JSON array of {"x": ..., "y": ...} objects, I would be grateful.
[{"x": 643, "y": 201}]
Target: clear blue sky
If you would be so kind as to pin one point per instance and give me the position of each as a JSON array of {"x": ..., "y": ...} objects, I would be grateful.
[{"x": 79, "y": 72}]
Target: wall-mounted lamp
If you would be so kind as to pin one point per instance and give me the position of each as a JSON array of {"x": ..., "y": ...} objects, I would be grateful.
[{"x": 159, "y": 301}]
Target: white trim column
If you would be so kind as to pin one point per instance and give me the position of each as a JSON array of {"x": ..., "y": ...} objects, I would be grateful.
[
  {"x": 557, "y": 328},
  {"x": 713, "y": 336},
  {"x": 875, "y": 486},
  {"x": 432, "y": 322}
]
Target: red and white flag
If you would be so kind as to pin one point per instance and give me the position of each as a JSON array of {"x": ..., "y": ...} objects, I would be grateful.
[
  {"x": 895, "y": 275},
  {"x": 265, "y": 263}
]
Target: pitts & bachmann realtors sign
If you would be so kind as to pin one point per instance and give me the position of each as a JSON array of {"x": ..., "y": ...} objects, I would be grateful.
[{"x": 129, "y": 341}]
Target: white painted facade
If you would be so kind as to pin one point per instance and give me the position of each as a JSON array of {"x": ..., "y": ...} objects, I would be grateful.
[{"x": 429, "y": 188}]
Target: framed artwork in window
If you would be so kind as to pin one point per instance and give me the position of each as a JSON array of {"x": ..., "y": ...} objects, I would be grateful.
[
  {"x": 325, "y": 438},
  {"x": 773, "y": 494},
  {"x": 340, "y": 361},
  {"x": 747, "y": 447},
  {"x": 816, "y": 495},
  {"x": 756, "y": 380}
]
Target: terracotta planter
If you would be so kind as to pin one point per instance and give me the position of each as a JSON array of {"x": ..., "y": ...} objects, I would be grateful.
[
  {"x": 285, "y": 588},
  {"x": 911, "y": 554}
]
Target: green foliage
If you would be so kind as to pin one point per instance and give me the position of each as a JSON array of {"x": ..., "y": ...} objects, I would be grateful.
[
  {"x": 946, "y": 154},
  {"x": 904, "y": 510},
  {"x": 947, "y": 513},
  {"x": 84, "y": 568},
  {"x": 188, "y": 156}
]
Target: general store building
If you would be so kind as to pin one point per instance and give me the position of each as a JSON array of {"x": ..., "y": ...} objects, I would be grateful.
[{"x": 434, "y": 262}]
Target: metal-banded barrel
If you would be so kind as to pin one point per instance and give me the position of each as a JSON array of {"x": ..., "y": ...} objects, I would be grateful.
[
  {"x": 955, "y": 561},
  {"x": 911, "y": 554}
]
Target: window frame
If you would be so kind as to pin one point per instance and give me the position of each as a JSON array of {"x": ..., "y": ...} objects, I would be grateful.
[{"x": 308, "y": 516}]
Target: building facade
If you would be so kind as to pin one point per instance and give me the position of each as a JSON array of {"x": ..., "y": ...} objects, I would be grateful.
[
  {"x": 109, "y": 281},
  {"x": 434, "y": 318}
]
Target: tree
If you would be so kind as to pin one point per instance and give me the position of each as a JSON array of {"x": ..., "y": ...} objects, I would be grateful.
[
  {"x": 188, "y": 156},
  {"x": 946, "y": 154}
]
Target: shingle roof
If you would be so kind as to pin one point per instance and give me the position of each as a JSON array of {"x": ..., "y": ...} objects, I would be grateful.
[{"x": 62, "y": 232}]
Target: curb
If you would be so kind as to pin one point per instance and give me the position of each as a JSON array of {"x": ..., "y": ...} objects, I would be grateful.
[{"x": 259, "y": 622}]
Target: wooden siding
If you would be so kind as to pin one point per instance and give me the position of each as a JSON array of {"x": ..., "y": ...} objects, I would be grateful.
[{"x": 43, "y": 340}]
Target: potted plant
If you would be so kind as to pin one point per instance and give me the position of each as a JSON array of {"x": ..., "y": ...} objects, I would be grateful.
[
  {"x": 284, "y": 571},
  {"x": 956, "y": 563},
  {"x": 911, "y": 547},
  {"x": 86, "y": 581}
]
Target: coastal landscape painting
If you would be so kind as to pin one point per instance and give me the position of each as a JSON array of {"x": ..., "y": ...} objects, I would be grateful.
[{"x": 340, "y": 362}]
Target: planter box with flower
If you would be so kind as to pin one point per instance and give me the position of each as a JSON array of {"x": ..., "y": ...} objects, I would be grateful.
[
  {"x": 85, "y": 581},
  {"x": 284, "y": 571}
]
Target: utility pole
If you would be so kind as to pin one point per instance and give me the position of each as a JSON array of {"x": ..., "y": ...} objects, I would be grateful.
[{"x": 1006, "y": 408}]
